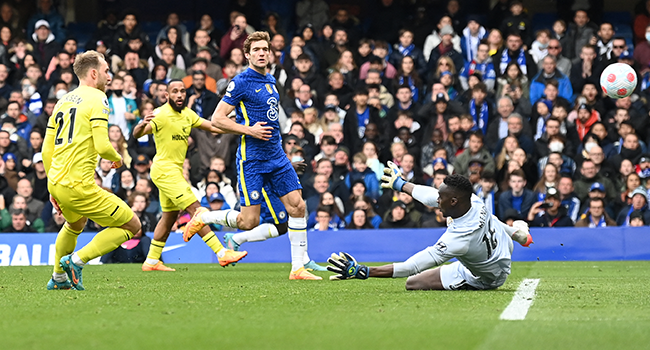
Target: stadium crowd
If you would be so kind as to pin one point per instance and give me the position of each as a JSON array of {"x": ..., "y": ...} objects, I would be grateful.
[{"x": 436, "y": 88}]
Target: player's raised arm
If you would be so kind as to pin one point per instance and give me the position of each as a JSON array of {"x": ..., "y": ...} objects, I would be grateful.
[
  {"x": 393, "y": 179},
  {"x": 144, "y": 127},
  {"x": 221, "y": 121}
]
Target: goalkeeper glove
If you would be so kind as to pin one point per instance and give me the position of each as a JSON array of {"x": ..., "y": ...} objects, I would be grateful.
[
  {"x": 393, "y": 178},
  {"x": 522, "y": 235},
  {"x": 346, "y": 267}
]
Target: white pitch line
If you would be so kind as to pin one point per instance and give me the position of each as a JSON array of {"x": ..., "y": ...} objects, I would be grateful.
[{"x": 521, "y": 302}]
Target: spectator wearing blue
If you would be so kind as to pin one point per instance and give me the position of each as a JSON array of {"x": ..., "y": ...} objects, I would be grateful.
[
  {"x": 485, "y": 190},
  {"x": 550, "y": 72},
  {"x": 568, "y": 197},
  {"x": 361, "y": 172},
  {"x": 479, "y": 64},
  {"x": 518, "y": 197},
  {"x": 323, "y": 220},
  {"x": 514, "y": 52},
  {"x": 358, "y": 117},
  {"x": 123, "y": 111},
  {"x": 49, "y": 14},
  {"x": 479, "y": 108},
  {"x": 365, "y": 203},
  {"x": 598, "y": 190},
  {"x": 472, "y": 36},
  {"x": 328, "y": 201},
  {"x": 406, "y": 47},
  {"x": 639, "y": 203}
]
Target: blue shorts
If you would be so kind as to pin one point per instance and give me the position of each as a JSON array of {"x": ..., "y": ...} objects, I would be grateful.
[
  {"x": 272, "y": 210},
  {"x": 278, "y": 178}
]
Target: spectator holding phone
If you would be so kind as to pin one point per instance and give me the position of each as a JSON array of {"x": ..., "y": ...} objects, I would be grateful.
[{"x": 549, "y": 212}]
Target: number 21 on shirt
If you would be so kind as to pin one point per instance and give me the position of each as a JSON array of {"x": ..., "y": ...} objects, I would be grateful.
[{"x": 59, "y": 120}]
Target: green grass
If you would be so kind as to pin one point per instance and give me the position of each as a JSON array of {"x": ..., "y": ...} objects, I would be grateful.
[{"x": 579, "y": 305}]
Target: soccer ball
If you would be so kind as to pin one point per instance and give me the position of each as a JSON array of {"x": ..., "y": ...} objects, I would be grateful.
[{"x": 618, "y": 80}]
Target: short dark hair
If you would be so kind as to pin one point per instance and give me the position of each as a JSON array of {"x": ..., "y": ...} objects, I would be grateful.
[
  {"x": 361, "y": 91},
  {"x": 329, "y": 139},
  {"x": 519, "y": 173},
  {"x": 459, "y": 183},
  {"x": 488, "y": 176},
  {"x": 597, "y": 199},
  {"x": 441, "y": 172},
  {"x": 325, "y": 209},
  {"x": 480, "y": 87},
  {"x": 303, "y": 57},
  {"x": 16, "y": 212},
  {"x": 475, "y": 133},
  {"x": 553, "y": 119},
  {"x": 552, "y": 82}
]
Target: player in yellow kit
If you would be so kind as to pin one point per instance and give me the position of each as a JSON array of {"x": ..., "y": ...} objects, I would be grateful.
[
  {"x": 77, "y": 132},
  {"x": 171, "y": 124}
]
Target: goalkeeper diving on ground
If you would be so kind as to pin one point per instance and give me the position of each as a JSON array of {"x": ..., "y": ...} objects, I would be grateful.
[{"x": 478, "y": 240}]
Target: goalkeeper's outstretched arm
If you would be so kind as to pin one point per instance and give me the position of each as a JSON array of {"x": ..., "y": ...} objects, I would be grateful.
[{"x": 426, "y": 195}]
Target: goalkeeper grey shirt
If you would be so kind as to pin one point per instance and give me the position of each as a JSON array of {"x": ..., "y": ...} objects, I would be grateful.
[{"x": 477, "y": 239}]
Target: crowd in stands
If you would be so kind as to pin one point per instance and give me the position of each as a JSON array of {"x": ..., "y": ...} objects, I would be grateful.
[{"x": 437, "y": 89}]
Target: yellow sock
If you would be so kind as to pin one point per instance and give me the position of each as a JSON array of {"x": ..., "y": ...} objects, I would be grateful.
[
  {"x": 213, "y": 242},
  {"x": 104, "y": 242},
  {"x": 155, "y": 250},
  {"x": 66, "y": 240}
]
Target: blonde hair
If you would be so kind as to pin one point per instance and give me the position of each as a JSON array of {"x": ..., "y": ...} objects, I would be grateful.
[{"x": 85, "y": 62}]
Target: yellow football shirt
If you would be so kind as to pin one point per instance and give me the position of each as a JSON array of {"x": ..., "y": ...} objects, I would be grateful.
[
  {"x": 74, "y": 157},
  {"x": 171, "y": 130}
]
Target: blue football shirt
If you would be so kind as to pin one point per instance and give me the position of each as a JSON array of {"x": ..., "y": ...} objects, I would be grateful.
[{"x": 256, "y": 99}]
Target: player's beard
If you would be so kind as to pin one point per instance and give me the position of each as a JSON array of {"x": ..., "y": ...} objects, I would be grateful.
[
  {"x": 101, "y": 84},
  {"x": 176, "y": 107}
]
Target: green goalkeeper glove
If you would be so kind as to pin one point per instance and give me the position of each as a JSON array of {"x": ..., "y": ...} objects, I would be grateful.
[
  {"x": 393, "y": 178},
  {"x": 346, "y": 267}
]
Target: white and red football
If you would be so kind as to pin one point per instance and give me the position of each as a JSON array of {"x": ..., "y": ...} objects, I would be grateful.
[{"x": 618, "y": 80}]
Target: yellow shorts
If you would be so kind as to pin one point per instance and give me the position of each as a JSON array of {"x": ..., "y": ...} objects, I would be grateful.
[
  {"x": 174, "y": 192},
  {"x": 93, "y": 202}
]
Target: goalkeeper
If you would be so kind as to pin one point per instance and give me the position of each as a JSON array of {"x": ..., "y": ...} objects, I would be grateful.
[{"x": 481, "y": 243}]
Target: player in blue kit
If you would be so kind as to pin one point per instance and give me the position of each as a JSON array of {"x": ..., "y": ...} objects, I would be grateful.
[{"x": 263, "y": 169}]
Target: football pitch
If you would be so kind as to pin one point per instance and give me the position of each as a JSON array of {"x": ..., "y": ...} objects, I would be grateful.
[{"x": 578, "y": 305}]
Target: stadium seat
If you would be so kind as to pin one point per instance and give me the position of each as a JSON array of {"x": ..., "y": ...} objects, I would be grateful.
[
  {"x": 190, "y": 25},
  {"x": 618, "y": 17},
  {"x": 82, "y": 31},
  {"x": 543, "y": 21},
  {"x": 152, "y": 29}
]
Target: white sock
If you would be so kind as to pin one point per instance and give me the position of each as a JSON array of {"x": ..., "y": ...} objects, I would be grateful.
[
  {"x": 60, "y": 277},
  {"x": 77, "y": 260},
  {"x": 298, "y": 239},
  {"x": 151, "y": 261},
  {"x": 221, "y": 253},
  {"x": 305, "y": 257},
  {"x": 221, "y": 217},
  {"x": 259, "y": 233}
]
